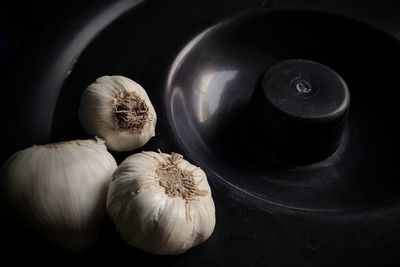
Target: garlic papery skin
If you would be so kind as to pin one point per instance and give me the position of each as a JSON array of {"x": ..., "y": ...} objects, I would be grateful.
[
  {"x": 60, "y": 190},
  {"x": 118, "y": 110},
  {"x": 161, "y": 203}
]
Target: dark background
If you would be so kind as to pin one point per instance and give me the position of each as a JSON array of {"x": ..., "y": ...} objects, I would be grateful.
[
  {"x": 29, "y": 27},
  {"x": 23, "y": 22}
]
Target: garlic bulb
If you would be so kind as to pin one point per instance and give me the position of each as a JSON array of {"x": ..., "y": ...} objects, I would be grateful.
[
  {"x": 60, "y": 190},
  {"x": 161, "y": 203},
  {"x": 118, "y": 110}
]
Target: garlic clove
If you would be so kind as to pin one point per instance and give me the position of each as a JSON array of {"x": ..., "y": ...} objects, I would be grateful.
[
  {"x": 161, "y": 203},
  {"x": 60, "y": 190},
  {"x": 118, "y": 110}
]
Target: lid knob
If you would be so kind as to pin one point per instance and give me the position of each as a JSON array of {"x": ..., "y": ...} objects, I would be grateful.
[{"x": 300, "y": 107}]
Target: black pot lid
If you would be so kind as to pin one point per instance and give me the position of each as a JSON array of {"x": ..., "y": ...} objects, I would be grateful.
[{"x": 202, "y": 64}]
